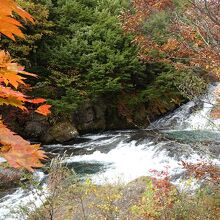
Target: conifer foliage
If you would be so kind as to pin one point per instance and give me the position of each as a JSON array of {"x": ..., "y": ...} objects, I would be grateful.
[{"x": 18, "y": 152}]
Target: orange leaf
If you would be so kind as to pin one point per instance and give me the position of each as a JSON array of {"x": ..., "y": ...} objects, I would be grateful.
[
  {"x": 43, "y": 110},
  {"x": 27, "y": 158},
  {"x": 18, "y": 152},
  {"x": 27, "y": 73},
  {"x": 8, "y": 25},
  {"x": 9, "y": 71},
  {"x": 37, "y": 101},
  {"x": 6, "y": 92}
]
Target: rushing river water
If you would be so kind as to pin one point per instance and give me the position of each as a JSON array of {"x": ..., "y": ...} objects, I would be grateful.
[{"x": 188, "y": 134}]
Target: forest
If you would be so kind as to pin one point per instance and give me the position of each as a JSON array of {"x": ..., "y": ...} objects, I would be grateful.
[{"x": 115, "y": 103}]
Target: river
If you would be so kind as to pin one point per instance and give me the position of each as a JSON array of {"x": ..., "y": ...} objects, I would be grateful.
[{"x": 188, "y": 134}]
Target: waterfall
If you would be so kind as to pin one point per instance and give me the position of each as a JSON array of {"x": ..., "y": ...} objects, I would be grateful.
[{"x": 194, "y": 115}]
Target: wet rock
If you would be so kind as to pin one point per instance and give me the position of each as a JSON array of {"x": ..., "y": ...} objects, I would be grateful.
[
  {"x": 60, "y": 132},
  {"x": 9, "y": 178},
  {"x": 214, "y": 148}
]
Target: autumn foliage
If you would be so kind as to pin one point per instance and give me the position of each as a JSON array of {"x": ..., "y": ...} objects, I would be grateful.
[
  {"x": 192, "y": 32},
  {"x": 8, "y": 25},
  {"x": 18, "y": 152},
  {"x": 203, "y": 171}
]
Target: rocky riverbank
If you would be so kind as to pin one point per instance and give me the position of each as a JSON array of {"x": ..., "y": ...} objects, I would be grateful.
[{"x": 89, "y": 118}]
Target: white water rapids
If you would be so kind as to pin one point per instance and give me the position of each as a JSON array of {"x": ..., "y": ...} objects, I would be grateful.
[{"x": 188, "y": 134}]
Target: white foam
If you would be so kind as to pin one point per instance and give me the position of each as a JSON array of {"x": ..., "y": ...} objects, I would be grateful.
[
  {"x": 202, "y": 120},
  {"x": 11, "y": 205},
  {"x": 127, "y": 161},
  {"x": 96, "y": 140},
  {"x": 186, "y": 118}
]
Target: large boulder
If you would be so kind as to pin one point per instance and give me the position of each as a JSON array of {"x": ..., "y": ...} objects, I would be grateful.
[{"x": 60, "y": 132}]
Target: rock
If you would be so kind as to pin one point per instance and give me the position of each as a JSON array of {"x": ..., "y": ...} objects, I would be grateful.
[
  {"x": 35, "y": 126},
  {"x": 133, "y": 192},
  {"x": 34, "y": 129},
  {"x": 90, "y": 117},
  {"x": 60, "y": 132},
  {"x": 99, "y": 116},
  {"x": 10, "y": 178}
]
